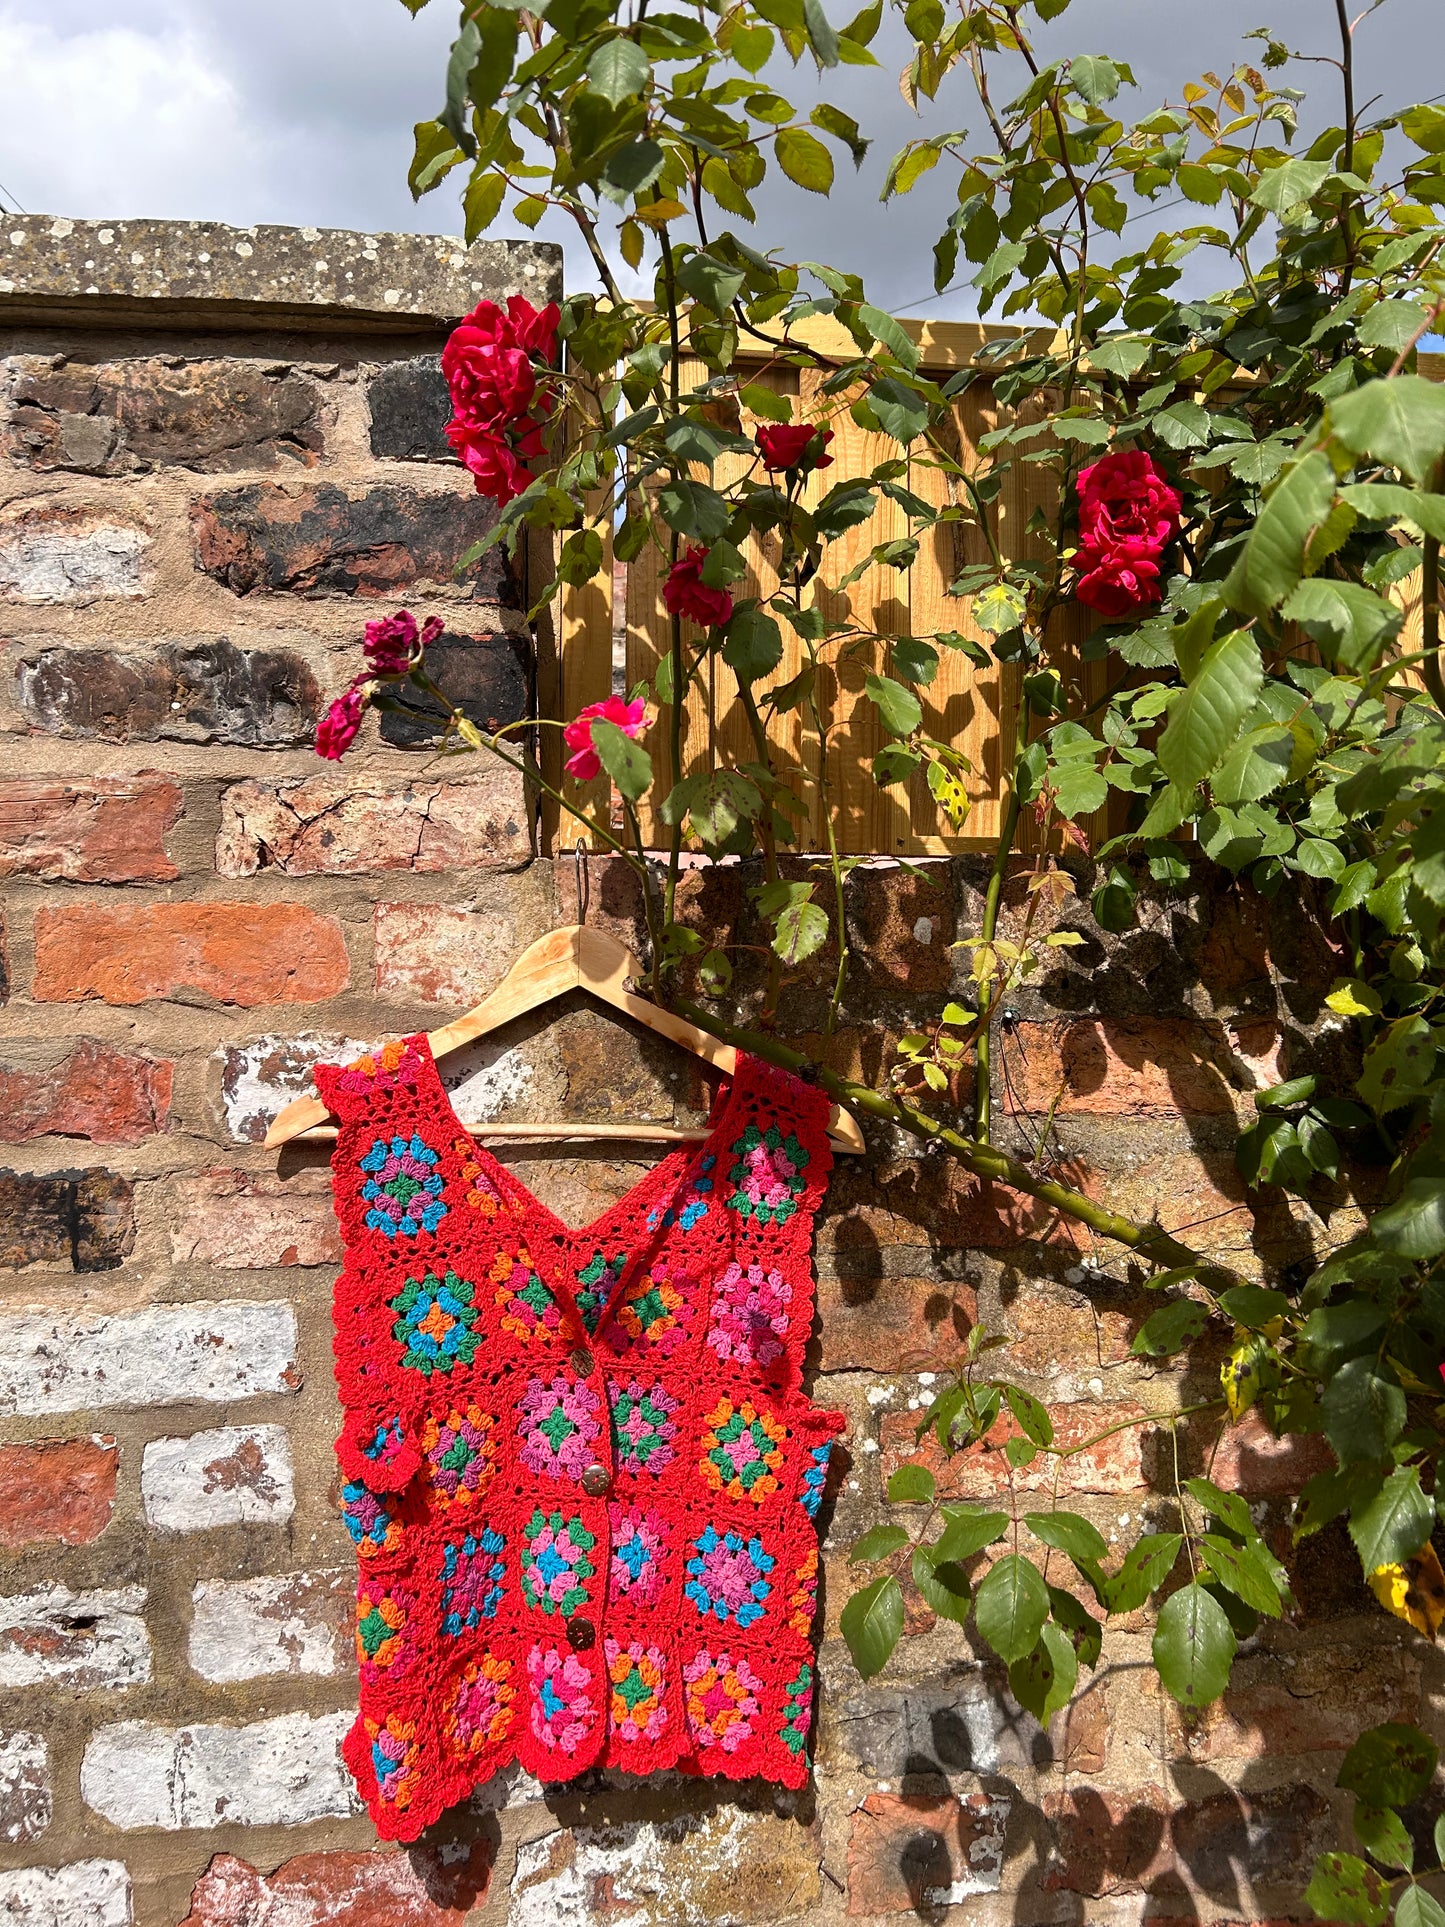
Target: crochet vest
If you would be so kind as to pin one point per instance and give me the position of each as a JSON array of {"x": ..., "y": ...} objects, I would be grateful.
[{"x": 579, "y": 1469}]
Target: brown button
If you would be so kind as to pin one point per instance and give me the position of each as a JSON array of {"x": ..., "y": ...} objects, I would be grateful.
[
  {"x": 581, "y": 1633},
  {"x": 582, "y": 1362},
  {"x": 596, "y": 1481}
]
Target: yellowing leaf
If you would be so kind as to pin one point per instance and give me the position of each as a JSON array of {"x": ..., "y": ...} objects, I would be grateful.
[
  {"x": 1414, "y": 1592},
  {"x": 1239, "y": 1374},
  {"x": 1354, "y": 1000},
  {"x": 659, "y": 213}
]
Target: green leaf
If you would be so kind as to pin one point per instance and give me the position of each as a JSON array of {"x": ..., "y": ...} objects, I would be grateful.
[
  {"x": 801, "y": 931},
  {"x": 877, "y": 1544},
  {"x": 1345, "y": 1889},
  {"x": 713, "y": 283},
  {"x": 1043, "y": 1681},
  {"x": 1194, "y": 1646},
  {"x": 1392, "y": 1526},
  {"x": 634, "y": 168},
  {"x": 1030, "y": 1416},
  {"x": 1206, "y": 717},
  {"x": 1414, "y": 1225},
  {"x": 1416, "y": 1908},
  {"x": 626, "y": 762},
  {"x": 899, "y": 707},
  {"x": 1068, "y": 1533},
  {"x": 968, "y": 1531},
  {"x": 1252, "y": 1305},
  {"x": 821, "y": 37},
  {"x": 1350, "y": 622},
  {"x": 618, "y": 70},
  {"x": 693, "y": 509},
  {"x": 753, "y": 646},
  {"x": 901, "y": 411},
  {"x": 1400, "y": 421},
  {"x": 911, "y": 1485},
  {"x": 722, "y": 802},
  {"x": 1398, "y": 1066},
  {"x": 1011, "y": 1605},
  {"x": 843, "y": 128},
  {"x": 942, "y": 1584},
  {"x": 915, "y": 660},
  {"x": 1240, "y": 1570},
  {"x": 804, "y": 159},
  {"x": 1227, "y": 1507},
  {"x": 1284, "y": 187},
  {"x": 482, "y": 203},
  {"x": 1094, "y": 78},
  {"x": 871, "y": 1624},
  {"x": 999, "y": 609},
  {"x": 1382, "y": 1834},
  {"x": 1391, "y": 324},
  {"x": 1170, "y": 1329},
  {"x": 759, "y": 400},
  {"x": 436, "y": 154},
  {"x": 1145, "y": 1567},
  {"x": 1120, "y": 355},
  {"x": 1363, "y": 1411},
  {"x": 893, "y": 335},
  {"x": 1389, "y": 1766},
  {"x": 1274, "y": 557}
]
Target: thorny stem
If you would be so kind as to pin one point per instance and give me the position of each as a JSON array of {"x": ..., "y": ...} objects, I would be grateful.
[
  {"x": 982, "y": 1094},
  {"x": 766, "y": 836},
  {"x": 1347, "y": 71},
  {"x": 1430, "y": 611}
]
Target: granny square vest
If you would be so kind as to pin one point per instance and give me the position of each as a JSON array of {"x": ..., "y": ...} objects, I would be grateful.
[{"x": 578, "y": 1467}]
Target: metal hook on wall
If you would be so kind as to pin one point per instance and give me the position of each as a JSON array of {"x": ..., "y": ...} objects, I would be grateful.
[{"x": 583, "y": 879}]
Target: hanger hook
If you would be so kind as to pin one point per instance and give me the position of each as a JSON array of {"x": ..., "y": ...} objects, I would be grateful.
[{"x": 579, "y": 857}]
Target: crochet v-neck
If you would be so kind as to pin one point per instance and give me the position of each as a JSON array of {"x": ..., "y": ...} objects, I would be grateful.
[{"x": 668, "y": 1174}]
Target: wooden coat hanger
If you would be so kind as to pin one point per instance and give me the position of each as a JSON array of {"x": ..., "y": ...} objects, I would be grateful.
[{"x": 576, "y": 957}]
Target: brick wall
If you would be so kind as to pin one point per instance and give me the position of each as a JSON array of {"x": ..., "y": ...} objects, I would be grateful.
[{"x": 220, "y": 455}]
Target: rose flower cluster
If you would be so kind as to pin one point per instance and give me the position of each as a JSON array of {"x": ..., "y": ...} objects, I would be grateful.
[
  {"x": 393, "y": 647},
  {"x": 499, "y": 407},
  {"x": 1128, "y": 516}
]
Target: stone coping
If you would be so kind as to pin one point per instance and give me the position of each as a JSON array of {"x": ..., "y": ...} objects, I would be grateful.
[{"x": 156, "y": 273}]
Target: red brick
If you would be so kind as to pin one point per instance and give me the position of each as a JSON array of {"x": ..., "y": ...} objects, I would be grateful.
[
  {"x": 1080, "y": 1733},
  {"x": 440, "y": 953},
  {"x": 1055, "y": 1332},
  {"x": 244, "y": 1222},
  {"x": 333, "y": 825},
  {"x": 921, "y": 1856},
  {"x": 420, "y": 1887},
  {"x": 1201, "y": 1198},
  {"x": 98, "y": 829},
  {"x": 1106, "y": 1842},
  {"x": 108, "y": 1096},
  {"x": 902, "y": 927},
  {"x": 60, "y": 1492},
  {"x": 932, "y": 1200},
  {"x": 1251, "y": 1460},
  {"x": 1316, "y": 1701},
  {"x": 884, "y": 1324},
  {"x": 238, "y": 953},
  {"x": 1111, "y": 1468},
  {"x": 1129, "y": 1066}
]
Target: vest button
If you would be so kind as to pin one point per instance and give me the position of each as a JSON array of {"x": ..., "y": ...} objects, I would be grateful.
[
  {"x": 581, "y": 1362},
  {"x": 596, "y": 1481},
  {"x": 581, "y": 1634}
]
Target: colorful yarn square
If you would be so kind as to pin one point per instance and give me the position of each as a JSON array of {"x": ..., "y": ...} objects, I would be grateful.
[
  {"x": 558, "y": 1426},
  {"x": 721, "y": 1697},
  {"x": 564, "y": 1710},
  {"x": 767, "y": 1176},
  {"x": 436, "y": 1323},
  {"x": 403, "y": 1187},
  {"x": 727, "y": 1577},
  {"x": 641, "y": 1539},
  {"x": 482, "y": 1710},
  {"x": 638, "y": 1678},
  {"x": 555, "y": 1566},
  {"x": 643, "y": 1424},
  {"x": 372, "y": 1526},
  {"x": 750, "y": 1314},
  {"x": 460, "y": 1452},
  {"x": 742, "y": 1451},
  {"x": 473, "y": 1571}
]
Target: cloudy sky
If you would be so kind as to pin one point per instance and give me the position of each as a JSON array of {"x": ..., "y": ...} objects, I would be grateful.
[{"x": 300, "y": 111}]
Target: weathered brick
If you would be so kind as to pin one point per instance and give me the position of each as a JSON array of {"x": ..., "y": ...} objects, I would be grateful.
[
  {"x": 280, "y": 1772},
  {"x": 83, "y": 1219},
  {"x": 53, "y": 552},
  {"x": 1248, "y": 1458},
  {"x": 320, "y": 541},
  {"x": 441, "y": 953},
  {"x": 1267, "y": 1836},
  {"x": 237, "y": 1475},
  {"x": 75, "y": 1639},
  {"x": 245, "y": 1221},
  {"x": 238, "y": 953},
  {"x": 161, "y": 1355},
  {"x": 87, "y": 1893},
  {"x": 981, "y": 1471},
  {"x": 425, "y": 1886},
  {"x": 291, "y": 1622},
  {"x": 1126, "y": 1066},
  {"x": 932, "y": 1202},
  {"x": 410, "y": 408},
  {"x": 26, "y": 1799},
  {"x": 901, "y": 926},
  {"x": 918, "y": 1856},
  {"x": 1106, "y": 1842},
  {"x": 123, "y": 417},
  {"x": 260, "y": 1077},
  {"x": 881, "y": 1323},
  {"x": 337, "y": 824},
  {"x": 1316, "y": 1701},
  {"x": 200, "y": 690},
  {"x": 59, "y": 1491},
  {"x": 934, "y": 1729},
  {"x": 490, "y": 678},
  {"x": 1080, "y": 1733},
  {"x": 723, "y": 1864},
  {"x": 1069, "y": 1336},
  {"x": 109, "y": 1096},
  {"x": 97, "y": 829}
]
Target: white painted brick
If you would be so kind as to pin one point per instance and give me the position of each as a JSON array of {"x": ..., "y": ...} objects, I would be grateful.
[
  {"x": 47, "y": 564},
  {"x": 25, "y": 1796},
  {"x": 80, "y": 1639},
  {"x": 163, "y": 1355},
  {"x": 260, "y": 1077},
  {"x": 294, "y": 1622},
  {"x": 88, "y": 1893},
  {"x": 237, "y": 1475},
  {"x": 283, "y": 1772}
]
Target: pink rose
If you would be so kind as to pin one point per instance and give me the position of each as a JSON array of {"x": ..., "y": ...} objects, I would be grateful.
[
  {"x": 684, "y": 593},
  {"x": 393, "y": 644},
  {"x": 584, "y": 762},
  {"x": 336, "y": 731}
]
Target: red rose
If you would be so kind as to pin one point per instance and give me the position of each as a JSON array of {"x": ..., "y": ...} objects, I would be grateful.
[
  {"x": 1128, "y": 516},
  {"x": 786, "y": 445},
  {"x": 497, "y": 471},
  {"x": 686, "y": 594},
  {"x": 490, "y": 385},
  {"x": 497, "y": 406},
  {"x": 584, "y": 763},
  {"x": 336, "y": 731}
]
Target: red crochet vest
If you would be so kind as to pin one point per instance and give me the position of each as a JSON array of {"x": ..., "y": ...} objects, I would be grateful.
[{"x": 580, "y": 1470}]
